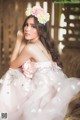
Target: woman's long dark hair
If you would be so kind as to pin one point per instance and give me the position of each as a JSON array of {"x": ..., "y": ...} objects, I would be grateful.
[
  {"x": 74, "y": 108},
  {"x": 45, "y": 37}
]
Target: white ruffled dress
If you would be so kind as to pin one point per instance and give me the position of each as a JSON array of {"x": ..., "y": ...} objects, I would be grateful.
[{"x": 36, "y": 91}]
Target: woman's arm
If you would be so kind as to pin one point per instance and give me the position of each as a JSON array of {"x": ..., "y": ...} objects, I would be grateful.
[
  {"x": 17, "y": 46},
  {"x": 25, "y": 54}
]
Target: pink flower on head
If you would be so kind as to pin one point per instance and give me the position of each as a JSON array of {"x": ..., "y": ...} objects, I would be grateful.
[
  {"x": 37, "y": 10},
  {"x": 40, "y": 13}
]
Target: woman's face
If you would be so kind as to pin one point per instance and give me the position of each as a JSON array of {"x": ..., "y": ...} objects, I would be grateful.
[{"x": 30, "y": 31}]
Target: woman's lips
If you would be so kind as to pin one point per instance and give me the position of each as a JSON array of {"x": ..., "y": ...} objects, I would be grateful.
[{"x": 27, "y": 34}]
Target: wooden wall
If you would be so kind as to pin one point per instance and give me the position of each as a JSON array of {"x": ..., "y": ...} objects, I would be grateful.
[
  {"x": 71, "y": 51},
  {"x": 10, "y": 21}
]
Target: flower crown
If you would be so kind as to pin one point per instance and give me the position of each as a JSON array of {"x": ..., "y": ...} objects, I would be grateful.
[{"x": 38, "y": 12}]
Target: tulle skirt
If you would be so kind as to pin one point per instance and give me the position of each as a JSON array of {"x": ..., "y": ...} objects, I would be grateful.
[{"x": 45, "y": 96}]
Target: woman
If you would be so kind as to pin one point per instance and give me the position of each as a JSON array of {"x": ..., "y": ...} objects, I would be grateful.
[{"x": 35, "y": 87}]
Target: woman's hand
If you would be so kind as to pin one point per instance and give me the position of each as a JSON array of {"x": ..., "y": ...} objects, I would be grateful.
[
  {"x": 15, "y": 53},
  {"x": 20, "y": 35}
]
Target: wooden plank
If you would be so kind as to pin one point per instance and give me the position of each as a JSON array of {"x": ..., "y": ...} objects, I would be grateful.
[
  {"x": 71, "y": 36},
  {"x": 56, "y": 23},
  {"x": 41, "y": 3},
  {"x": 75, "y": 21},
  {"x": 19, "y": 14},
  {"x": 6, "y": 31},
  {"x": 2, "y": 36},
  {"x": 71, "y": 12},
  {"x": 0, "y": 32},
  {"x": 24, "y": 9},
  {"x": 33, "y": 2},
  {"x": 71, "y": 5},
  {"x": 72, "y": 44},
  {"x": 50, "y": 9},
  {"x": 69, "y": 28},
  {"x": 11, "y": 28}
]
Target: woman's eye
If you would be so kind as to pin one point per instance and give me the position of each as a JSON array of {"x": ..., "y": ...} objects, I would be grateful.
[
  {"x": 33, "y": 26},
  {"x": 26, "y": 24}
]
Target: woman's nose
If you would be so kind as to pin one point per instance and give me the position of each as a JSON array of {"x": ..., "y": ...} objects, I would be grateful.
[{"x": 27, "y": 28}]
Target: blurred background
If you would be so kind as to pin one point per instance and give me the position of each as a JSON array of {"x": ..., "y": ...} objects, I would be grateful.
[{"x": 64, "y": 24}]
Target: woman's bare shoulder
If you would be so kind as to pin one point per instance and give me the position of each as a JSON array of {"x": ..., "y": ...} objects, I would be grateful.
[{"x": 30, "y": 48}]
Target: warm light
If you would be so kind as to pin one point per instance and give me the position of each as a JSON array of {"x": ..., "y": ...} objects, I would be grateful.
[
  {"x": 29, "y": 5},
  {"x": 16, "y": 6},
  {"x": 45, "y": 6},
  {"x": 71, "y": 25},
  {"x": 70, "y": 32},
  {"x": 60, "y": 47},
  {"x": 62, "y": 23},
  {"x": 37, "y": 3},
  {"x": 61, "y": 32},
  {"x": 71, "y": 16},
  {"x": 52, "y": 21}
]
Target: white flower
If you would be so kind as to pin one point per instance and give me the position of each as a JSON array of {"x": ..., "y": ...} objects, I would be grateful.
[{"x": 43, "y": 18}]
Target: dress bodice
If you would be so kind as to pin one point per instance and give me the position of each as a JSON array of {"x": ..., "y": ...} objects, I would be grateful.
[{"x": 30, "y": 67}]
